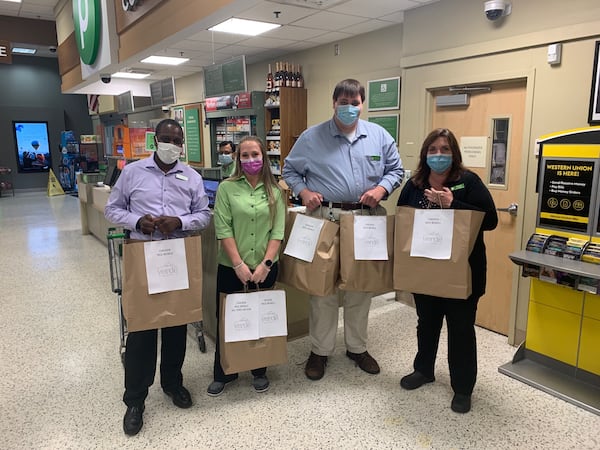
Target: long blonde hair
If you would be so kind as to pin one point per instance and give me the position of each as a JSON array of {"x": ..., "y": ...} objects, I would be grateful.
[{"x": 266, "y": 176}]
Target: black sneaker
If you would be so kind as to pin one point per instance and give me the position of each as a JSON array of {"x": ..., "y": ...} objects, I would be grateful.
[
  {"x": 415, "y": 380},
  {"x": 461, "y": 403},
  {"x": 261, "y": 383}
]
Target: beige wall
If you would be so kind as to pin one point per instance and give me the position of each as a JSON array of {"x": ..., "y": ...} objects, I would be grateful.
[{"x": 451, "y": 42}]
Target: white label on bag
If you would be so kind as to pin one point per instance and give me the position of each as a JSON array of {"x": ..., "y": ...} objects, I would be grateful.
[
  {"x": 166, "y": 265},
  {"x": 304, "y": 236},
  {"x": 370, "y": 238},
  {"x": 432, "y": 233},
  {"x": 254, "y": 315}
]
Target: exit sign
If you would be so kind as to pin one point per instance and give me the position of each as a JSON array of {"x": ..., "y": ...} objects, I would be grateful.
[{"x": 5, "y": 54}]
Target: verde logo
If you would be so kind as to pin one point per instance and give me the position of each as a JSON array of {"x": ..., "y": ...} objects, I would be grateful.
[{"x": 86, "y": 17}]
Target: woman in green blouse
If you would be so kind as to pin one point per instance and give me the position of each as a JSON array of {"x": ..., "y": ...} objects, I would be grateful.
[{"x": 249, "y": 217}]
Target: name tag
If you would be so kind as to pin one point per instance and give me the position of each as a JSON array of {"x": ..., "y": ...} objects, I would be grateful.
[
  {"x": 375, "y": 158},
  {"x": 457, "y": 187},
  {"x": 181, "y": 177}
]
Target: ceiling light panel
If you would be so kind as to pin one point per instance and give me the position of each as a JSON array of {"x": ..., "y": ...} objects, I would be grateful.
[
  {"x": 164, "y": 60},
  {"x": 243, "y": 26}
]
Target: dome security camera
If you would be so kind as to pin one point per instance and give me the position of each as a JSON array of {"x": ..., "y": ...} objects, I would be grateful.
[
  {"x": 495, "y": 9},
  {"x": 52, "y": 49},
  {"x": 106, "y": 78}
]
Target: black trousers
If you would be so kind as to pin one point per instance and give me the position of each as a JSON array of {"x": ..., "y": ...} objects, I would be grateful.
[
  {"x": 140, "y": 362},
  {"x": 229, "y": 283},
  {"x": 462, "y": 345}
]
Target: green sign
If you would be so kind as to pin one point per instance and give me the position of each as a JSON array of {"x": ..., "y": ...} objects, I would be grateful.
[
  {"x": 87, "y": 21},
  {"x": 150, "y": 145},
  {"x": 192, "y": 136},
  {"x": 384, "y": 94},
  {"x": 390, "y": 123},
  {"x": 226, "y": 78}
]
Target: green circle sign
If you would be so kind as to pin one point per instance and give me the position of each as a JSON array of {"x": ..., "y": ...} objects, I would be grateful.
[{"x": 87, "y": 18}]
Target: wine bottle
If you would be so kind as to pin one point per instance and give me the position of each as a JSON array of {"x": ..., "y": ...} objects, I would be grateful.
[
  {"x": 269, "y": 80},
  {"x": 300, "y": 80},
  {"x": 293, "y": 76}
]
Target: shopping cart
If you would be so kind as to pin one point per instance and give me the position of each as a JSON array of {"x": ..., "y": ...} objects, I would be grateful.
[{"x": 115, "y": 239}]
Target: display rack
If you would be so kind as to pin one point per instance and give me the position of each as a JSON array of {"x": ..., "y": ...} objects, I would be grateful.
[{"x": 285, "y": 119}]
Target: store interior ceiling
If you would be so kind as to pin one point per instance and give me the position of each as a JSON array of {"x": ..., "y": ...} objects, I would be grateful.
[{"x": 305, "y": 24}]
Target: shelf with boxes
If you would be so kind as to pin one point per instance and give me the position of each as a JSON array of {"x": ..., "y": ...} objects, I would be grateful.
[{"x": 284, "y": 121}]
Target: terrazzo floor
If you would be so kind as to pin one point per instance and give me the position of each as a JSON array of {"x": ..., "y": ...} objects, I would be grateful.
[{"x": 61, "y": 378}]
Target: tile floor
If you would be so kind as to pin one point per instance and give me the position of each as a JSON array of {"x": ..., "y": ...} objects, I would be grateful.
[{"x": 61, "y": 379}]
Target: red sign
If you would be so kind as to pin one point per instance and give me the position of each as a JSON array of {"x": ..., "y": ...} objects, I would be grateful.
[{"x": 242, "y": 100}]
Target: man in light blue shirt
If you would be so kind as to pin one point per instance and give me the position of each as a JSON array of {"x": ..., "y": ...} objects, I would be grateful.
[
  {"x": 346, "y": 166},
  {"x": 157, "y": 197}
]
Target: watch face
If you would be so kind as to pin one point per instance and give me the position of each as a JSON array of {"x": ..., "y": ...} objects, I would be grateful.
[{"x": 268, "y": 263}]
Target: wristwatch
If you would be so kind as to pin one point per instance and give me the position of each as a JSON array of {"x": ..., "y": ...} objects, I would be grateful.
[{"x": 268, "y": 263}]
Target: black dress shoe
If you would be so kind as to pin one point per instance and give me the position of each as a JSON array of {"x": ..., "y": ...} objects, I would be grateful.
[
  {"x": 133, "y": 421},
  {"x": 181, "y": 397},
  {"x": 461, "y": 403},
  {"x": 415, "y": 380}
]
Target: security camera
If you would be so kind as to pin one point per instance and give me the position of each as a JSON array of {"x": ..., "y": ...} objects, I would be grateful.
[
  {"x": 495, "y": 9},
  {"x": 52, "y": 49},
  {"x": 105, "y": 78},
  {"x": 165, "y": 109}
]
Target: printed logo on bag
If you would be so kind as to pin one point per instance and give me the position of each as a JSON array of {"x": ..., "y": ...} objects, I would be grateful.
[{"x": 87, "y": 21}]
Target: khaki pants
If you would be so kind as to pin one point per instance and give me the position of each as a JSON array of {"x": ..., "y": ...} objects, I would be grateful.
[{"x": 323, "y": 316}]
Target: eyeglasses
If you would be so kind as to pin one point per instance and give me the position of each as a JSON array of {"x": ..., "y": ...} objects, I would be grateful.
[{"x": 169, "y": 140}]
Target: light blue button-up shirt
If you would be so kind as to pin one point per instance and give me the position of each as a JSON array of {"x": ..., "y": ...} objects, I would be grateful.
[
  {"x": 325, "y": 161},
  {"x": 143, "y": 188}
]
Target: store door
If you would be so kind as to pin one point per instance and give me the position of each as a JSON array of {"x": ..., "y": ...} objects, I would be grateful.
[{"x": 497, "y": 114}]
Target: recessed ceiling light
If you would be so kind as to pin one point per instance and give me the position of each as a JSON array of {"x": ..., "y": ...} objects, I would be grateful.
[
  {"x": 14, "y": 1},
  {"x": 24, "y": 51},
  {"x": 131, "y": 75},
  {"x": 167, "y": 60},
  {"x": 245, "y": 27}
]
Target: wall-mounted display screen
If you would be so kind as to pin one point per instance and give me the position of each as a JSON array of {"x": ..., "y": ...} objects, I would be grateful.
[{"x": 32, "y": 146}]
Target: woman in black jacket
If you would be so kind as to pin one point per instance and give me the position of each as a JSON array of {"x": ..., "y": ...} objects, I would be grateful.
[{"x": 441, "y": 181}]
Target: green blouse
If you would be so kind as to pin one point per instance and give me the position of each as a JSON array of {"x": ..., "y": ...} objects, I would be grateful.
[{"x": 242, "y": 212}]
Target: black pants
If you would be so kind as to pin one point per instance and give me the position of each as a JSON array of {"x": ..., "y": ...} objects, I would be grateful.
[
  {"x": 229, "y": 283},
  {"x": 462, "y": 345},
  {"x": 140, "y": 362}
]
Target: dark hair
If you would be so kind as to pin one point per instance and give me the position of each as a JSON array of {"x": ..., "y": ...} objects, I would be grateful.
[
  {"x": 350, "y": 88},
  {"x": 224, "y": 143},
  {"x": 421, "y": 176},
  {"x": 163, "y": 123}
]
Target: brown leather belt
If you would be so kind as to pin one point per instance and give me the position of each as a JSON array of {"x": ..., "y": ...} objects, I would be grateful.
[{"x": 344, "y": 206}]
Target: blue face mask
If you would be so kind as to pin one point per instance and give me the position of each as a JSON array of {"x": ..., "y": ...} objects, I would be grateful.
[
  {"x": 347, "y": 114},
  {"x": 224, "y": 159},
  {"x": 439, "y": 163}
]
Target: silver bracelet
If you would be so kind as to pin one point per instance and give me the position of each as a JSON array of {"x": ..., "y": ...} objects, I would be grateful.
[{"x": 238, "y": 266}]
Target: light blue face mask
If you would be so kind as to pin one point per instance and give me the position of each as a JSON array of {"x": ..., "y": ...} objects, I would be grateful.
[
  {"x": 225, "y": 159},
  {"x": 439, "y": 163},
  {"x": 347, "y": 114}
]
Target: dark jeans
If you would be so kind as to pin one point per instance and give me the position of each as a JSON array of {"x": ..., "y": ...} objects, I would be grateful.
[
  {"x": 462, "y": 345},
  {"x": 140, "y": 362},
  {"x": 229, "y": 283}
]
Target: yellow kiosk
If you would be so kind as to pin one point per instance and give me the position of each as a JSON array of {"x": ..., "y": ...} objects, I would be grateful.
[{"x": 561, "y": 352}]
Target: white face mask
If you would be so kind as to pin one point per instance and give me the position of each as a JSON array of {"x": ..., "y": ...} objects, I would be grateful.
[{"x": 167, "y": 152}]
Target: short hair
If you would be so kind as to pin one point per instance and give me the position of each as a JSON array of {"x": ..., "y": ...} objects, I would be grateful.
[
  {"x": 349, "y": 87},
  {"x": 224, "y": 143},
  {"x": 163, "y": 123}
]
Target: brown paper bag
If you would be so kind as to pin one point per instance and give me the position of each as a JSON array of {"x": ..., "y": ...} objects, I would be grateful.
[
  {"x": 320, "y": 276},
  {"x": 247, "y": 355},
  {"x": 441, "y": 278},
  {"x": 145, "y": 311},
  {"x": 364, "y": 276}
]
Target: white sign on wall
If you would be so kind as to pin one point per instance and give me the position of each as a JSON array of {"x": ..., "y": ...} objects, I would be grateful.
[{"x": 474, "y": 150}]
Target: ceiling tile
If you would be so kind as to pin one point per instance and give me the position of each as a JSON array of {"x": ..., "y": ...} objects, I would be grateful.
[{"x": 329, "y": 21}]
